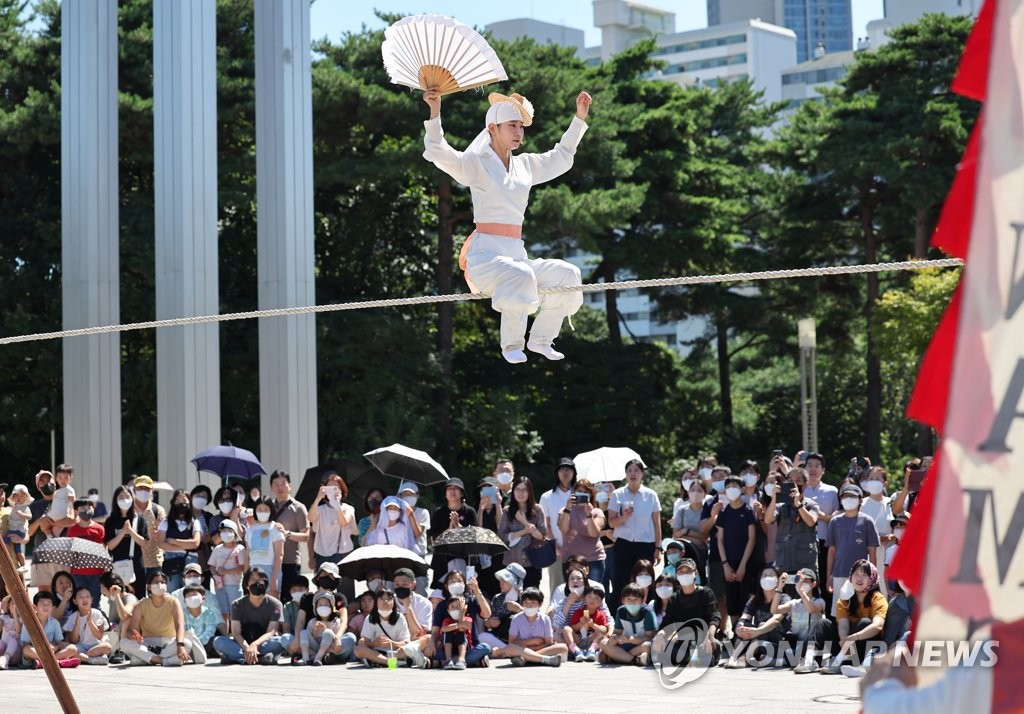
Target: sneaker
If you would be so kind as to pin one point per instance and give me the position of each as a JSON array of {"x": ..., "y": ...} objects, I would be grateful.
[
  {"x": 101, "y": 660},
  {"x": 833, "y": 668},
  {"x": 640, "y": 660},
  {"x": 316, "y": 663},
  {"x": 552, "y": 661},
  {"x": 735, "y": 663},
  {"x": 853, "y": 671},
  {"x": 297, "y": 661},
  {"x": 545, "y": 351},
  {"x": 3, "y": 661},
  {"x": 449, "y": 665},
  {"x": 518, "y": 661},
  {"x": 417, "y": 658},
  {"x": 805, "y": 667},
  {"x": 268, "y": 658},
  {"x": 69, "y": 663},
  {"x": 590, "y": 656},
  {"x": 461, "y": 664},
  {"x": 514, "y": 356},
  {"x": 485, "y": 662},
  {"x": 118, "y": 657},
  {"x": 579, "y": 656}
]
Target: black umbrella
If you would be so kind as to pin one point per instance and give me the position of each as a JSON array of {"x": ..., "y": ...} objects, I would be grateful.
[
  {"x": 360, "y": 477},
  {"x": 407, "y": 464},
  {"x": 73, "y": 552},
  {"x": 383, "y": 556},
  {"x": 469, "y": 540}
]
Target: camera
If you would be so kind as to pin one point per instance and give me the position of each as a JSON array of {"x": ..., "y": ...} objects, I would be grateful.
[{"x": 581, "y": 498}]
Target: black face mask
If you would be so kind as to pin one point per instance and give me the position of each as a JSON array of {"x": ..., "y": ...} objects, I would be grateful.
[
  {"x": 374, "y": 504},
  {"x": 403, "y": 593},
  {"x": 86, "y": 513},
  {"x": 327, "y": 583},
  {"x": 258, "y": 588},
  {"x": 48, "y": 489}
]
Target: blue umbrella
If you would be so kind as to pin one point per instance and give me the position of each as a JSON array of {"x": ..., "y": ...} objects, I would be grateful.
[{"x": 229, "y": 462}]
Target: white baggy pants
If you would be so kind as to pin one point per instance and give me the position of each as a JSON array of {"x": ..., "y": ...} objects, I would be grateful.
[{"x": 501, "y": 270}]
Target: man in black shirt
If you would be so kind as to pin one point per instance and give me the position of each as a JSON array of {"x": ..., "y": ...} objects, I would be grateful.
[
  {"x": 453, "y": 513},
  {"x": 692, "y": 602}
]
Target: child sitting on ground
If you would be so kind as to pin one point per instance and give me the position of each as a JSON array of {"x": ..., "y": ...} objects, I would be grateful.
[
  {"x": 290, "y": 615},
  {"x": 10, "y": 648},
  {"x": 201, "y": 623},
  {"x": 87, "y": 629},
  {"x": 635, "y": 627},
  {"x": 588, "y": 626},
  {"x": 457, "y": 631},
  {"x": 324, "y": 629},
  {"x": 65, "y": 653}
]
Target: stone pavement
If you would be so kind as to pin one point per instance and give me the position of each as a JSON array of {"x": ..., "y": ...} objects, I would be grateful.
[{"x": 501, "y": 688}]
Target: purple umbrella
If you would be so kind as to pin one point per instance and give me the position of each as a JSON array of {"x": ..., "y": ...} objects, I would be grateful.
[{"x": 229, "y": 462}]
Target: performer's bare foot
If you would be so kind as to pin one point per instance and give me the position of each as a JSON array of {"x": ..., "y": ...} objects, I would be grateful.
[
  {"x": 545, "y": 350},
  {"x": 514, "y": 356}
]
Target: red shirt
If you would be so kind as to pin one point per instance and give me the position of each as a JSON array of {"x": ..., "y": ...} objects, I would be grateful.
[
  {"x": 94, "y": 533},
  {"x": 597, "y": 618}
]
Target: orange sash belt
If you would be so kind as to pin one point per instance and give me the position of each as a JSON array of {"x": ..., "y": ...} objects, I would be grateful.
[{"x": 505, "y": 230}]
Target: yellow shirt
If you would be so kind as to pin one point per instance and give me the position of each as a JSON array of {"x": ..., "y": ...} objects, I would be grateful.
[
  {"x": 157, "y": 621},
  {"x": 878, "y": 606}
]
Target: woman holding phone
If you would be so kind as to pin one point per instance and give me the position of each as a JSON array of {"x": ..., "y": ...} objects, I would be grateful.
[
  {"x": 634, "y": 511},
  {"x": 581, "y": 524},
  {"x": 520, "y": 526}
]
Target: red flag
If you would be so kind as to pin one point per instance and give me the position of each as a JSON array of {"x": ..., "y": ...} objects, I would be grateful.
[{"x": 963, "y": 552}]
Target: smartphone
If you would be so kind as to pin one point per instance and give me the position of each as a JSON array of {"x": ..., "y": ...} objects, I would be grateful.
[
  {"x": 723, "y": 499},
  {"x": 582, "y": 498},
  {"x": 490, "y": 492},
  {"x": 470, "y": 572},
  {"x": 786, "y": 491},
  {"x": 777, "y": 453},
  {"x": 915, "y": 478}
]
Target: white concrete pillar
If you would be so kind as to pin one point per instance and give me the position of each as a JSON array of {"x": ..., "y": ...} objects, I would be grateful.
[
  {"x": 89, "y": 242},
  {"x": 284, "y": 196},
  {"x": 185, "y": 188}
]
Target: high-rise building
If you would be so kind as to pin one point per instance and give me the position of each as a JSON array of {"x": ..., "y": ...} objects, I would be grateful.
[
  {"x": 828, "y": 23},
  {"x": 902, "y": 12}
]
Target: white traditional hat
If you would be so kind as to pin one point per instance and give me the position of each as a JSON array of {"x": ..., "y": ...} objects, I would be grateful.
[{"x": 511, "y": 107}]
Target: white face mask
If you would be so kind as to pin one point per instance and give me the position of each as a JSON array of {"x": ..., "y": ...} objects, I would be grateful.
[
  {"x": 262, "y": 516},
  {"x": 384, "y": 614},
  {"x": 505, "y": 478},
  {"x": 456, "y": 588},
  {"x": 199, "y": 502},
  {"x": 226, "y": 507},
  {"x": 718, "y": 485},
  {"x": 898, "y": 532},
  {"x": 732, "y": 493},
  {"x": 142, "y": 496},
  {"x": 847, "y": 591},
  {"x": 805, "y": 587},
  {"x": 602, "y": 497},
  {"x": 297, "y": 596},
  {"x": 411, "y": 500},
  {"x": 192, "y": 581},
  {"x": 194, "y": 601},
  {"x": 158, "y": 588},
  {"x": 374, "y": 584},
  {"x": 455, "y": 614},
  {"x": 94, "y": 497},
  {"x": 873, "y": 487},
  {"x": 696, "y": 497},
  {"x": 749, "y": 479},
  {"x": 324, "y": 611},
  {"x": 664, "y": 591},
  {"x": 850, "y": 504},
  {"x": 769, "y": 489},
  {"x": 531, "y": 611},
  {"x": 124, "y": 503},
  {"x": 644, "y": 581},
  {"x": 769, "y": 582},
  {"x": 227, "y": 536},
  {"x": 577, "y": 590},
  {"x": 393, "y": 514},
  {"x": 686, "y": 579},
  {"x": 704, "y": 472},
  {"x": 686, "y": 485}
]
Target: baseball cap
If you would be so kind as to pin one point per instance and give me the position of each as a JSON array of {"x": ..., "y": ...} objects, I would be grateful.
[
  {"x": 809, "y": 574},
  {"x": 193, "y": 568},
  {"x": 687, "y": 563},
  {"x": 850, "y": 488},
  {"x": 565, "y": 461},
  {"x": 331, "y": 568},
  {"x": 408, "y": 486},
  {"x": 144, "y": 482},
  {"x": 403, "y": 571},
  {"x": 229, "y": 525}
]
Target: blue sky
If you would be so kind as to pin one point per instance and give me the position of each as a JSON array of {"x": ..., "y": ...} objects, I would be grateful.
[{"x": 331, "y": 18}]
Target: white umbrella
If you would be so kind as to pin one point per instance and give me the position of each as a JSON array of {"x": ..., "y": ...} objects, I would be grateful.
[
  {"x": 162, "y": 486},
  {"x": 407, "y": 464},
  {"x": 605, "y": 464}
]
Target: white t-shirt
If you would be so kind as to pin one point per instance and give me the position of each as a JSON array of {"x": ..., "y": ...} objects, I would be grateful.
[
  {"x": 85, "y": 635},
  {"x": 260, "y": 538},
  {"x": 399, "y": 632},
  {"x": 63, "y": 499},
  {"x": 639, "y": 528},
  {"x": 880, "y": 512},
  {"x": 551, "y": 503},
  {"x": 421, "y": 608},
  {"x": 331, "y": 538}
]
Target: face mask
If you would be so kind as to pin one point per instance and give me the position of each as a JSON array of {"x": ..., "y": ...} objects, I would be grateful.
[
  {"x": 769, "y": 582},
  {"x": 898, "y": 532},
  {"x": 142, "y": 496},
  {"x": 374, "y": 504},
  {"x": 199, "y": 502},
  {"x": 505, "y": 478},
  {"x": 227, "y": 536},
  {"x": 258, "y": 588},
  {"x": 297, "y": 596},
  {"x": 850, "y": 504},
  {"x": 455, "y": 614},
  {"x": 749, "y": 479},
  {"x": 94, "y": 497},
  {"x": 329, "y": 583},
  {"x": 531, "y": 611},
  {"x": 633, "y": 609},
  {"x": 48, "y": 489},
  {"x": 194, "y": 601},
  {"x": 673, "y": 558},
  {"x": 384, "y": 614},
  {"x": 847, "y": 591},
  {"x": 732, "y": 493},
  {"x": 704, "y": 472},
  {"x": 769, "y": 489},
  {"x": 644, "y": 581},
  {"x": 411, "y": 500},
  {"x": 456, "y": 588},
  {"x": 226, "y": 507},
  {"x": 602, "y": 497},
  {"x": 696, "y": 497},
  {"x": 873, "y": 487},
  {"x": 578, "y": 590},
  {"x": 686, "y": 485},
  {"x": 392, "y": 514},
  {"x": 124, "y": 503},
  {"x": 718, "y": 485},
  {"x": 805, "y": 588},
  {"x": 262, "y": 516},
  {"x": 181, "y": 510},
  {"x": 158, "y": 588},
  {"x": 374, "y": 584},
  {"x": 323, "y": 611},
  {"x": 403, "y": 593},
  {"x": 686, "y": 579},
  {"x": 85, "y": 513},
  {"x": 664, "y": 591},
  {"x": 192, "y": 581}
]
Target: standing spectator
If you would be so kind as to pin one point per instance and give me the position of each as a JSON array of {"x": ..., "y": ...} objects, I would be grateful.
[
  {"x": 227, "y": 509},
  {"x": 396, "y": 526},
  {"x": 877, "y": 506},
  {"x": 453, "y": 513},
  {"x": 228, "y": 563},
  {"x": 410, "y": 493},
  {"x": 686, "y": 524},
  {"x": 333, "y": 526},
  {"x": 255, "y": 620},
  {"x": 827, "y": 498},
  {"x": 851, "y": 537},
  {"x": 504, "y": 474},
  {"x": 581, "y": 524},
  {"x": 522, "y": 524},
  {"x": 153, "y": 514},
  {"x": 735, "y": 542},
  {"x": 125, "y": 535},
  {"x": 178, "y": 536},
  {"x": 85, "y": 527},
  {"x": 293, "y": 520},
  {"x": 634, "y": 511},
  {"x": 39, "y": 529},
  {"x": 200, "y": 498},
  {"x": 371, "y": 502},
  {"x": 795, "y": 518},
  {"x": 265, "y": 545},
  {"x": 552, "y": 503},
  {"x": 101, "y": 508},
  {"x": 490, "y": 505}
]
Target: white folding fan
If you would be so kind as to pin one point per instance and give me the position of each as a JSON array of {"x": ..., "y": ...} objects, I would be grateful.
[{"x": 422, "y": 51}]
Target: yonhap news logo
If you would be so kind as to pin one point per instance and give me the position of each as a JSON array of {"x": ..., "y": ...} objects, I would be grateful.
[{"x": 682, "y": 653}]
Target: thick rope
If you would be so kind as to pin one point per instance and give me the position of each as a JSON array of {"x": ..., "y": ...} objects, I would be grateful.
[{"x": 461, "y": 297}]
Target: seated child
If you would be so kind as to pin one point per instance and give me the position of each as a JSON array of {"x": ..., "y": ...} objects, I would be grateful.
[
  {"x": 457, "y": 633},
  {"x": 201, "y": 623},
  {"x": 635, "y": 627},
  {"x": 588, "y": 626},
  {"x": 65, "y": 653},
  {"x": 87, "y": 628},
  {"x": 10, "y": 626}
]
